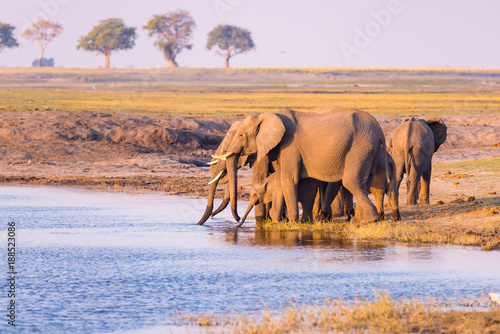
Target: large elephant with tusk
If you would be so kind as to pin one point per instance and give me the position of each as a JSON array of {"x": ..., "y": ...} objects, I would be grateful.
[
  {"x": 336, "y": 144},
  {"x": 221, "y": 174}
]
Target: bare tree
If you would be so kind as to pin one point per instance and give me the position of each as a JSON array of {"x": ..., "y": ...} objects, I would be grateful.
[{"x": 43, "y": 32}]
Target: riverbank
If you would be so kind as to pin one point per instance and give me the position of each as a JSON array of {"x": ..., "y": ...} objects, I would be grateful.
[{"x": 159, "y": 153}]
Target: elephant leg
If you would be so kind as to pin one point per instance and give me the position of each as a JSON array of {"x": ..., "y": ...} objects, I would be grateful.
[
  {"x": 317, "y": 205},
  {"x": 307, "y": 191},
  {"x": 278, "y": 204},
  {"x": 413, "y": 178},
  {"x": 268, "y": 207},
  {"x": 379, "y": 201},
  {"x": 348, "y": 203},
  {"x": 260, "y": 212},
  {"x": 425, "y": 183},
  {"x": 393, "y": 196},
  {"x": 356, "y": 181},
  {"x": 400, "y": 171},
  {"x": 332, "y": 189},
  {"x": 289, "y": 185},
  {"x": 338, "y": 204}
]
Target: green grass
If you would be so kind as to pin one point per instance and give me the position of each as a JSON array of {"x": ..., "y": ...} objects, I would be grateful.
[
  {"x": 218, "y": 92},
  {"x": 478, "y": 165}
]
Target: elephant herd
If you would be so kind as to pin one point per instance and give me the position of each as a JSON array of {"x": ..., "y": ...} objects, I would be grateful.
[{"x": 323, "y": 159}]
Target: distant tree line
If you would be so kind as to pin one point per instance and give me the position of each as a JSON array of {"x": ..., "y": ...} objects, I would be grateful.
[{"x": 172, "y": 33}]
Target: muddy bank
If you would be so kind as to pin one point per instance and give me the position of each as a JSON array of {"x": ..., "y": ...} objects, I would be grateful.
[{"x": 162, "y": 153}]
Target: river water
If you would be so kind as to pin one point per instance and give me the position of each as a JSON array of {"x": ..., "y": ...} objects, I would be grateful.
[{"x": 103, "y": 262}]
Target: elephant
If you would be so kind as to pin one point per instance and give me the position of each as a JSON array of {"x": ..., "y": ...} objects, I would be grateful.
[
  {"x": 338, "y": 144},
  {"x": 263, "y": 192},
  {"x": 413, "y": 143},
  {"x": 380, "y": 186},
  {"x": 219, "y": 173}
]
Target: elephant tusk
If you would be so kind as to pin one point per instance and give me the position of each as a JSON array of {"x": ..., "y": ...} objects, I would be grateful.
[
  {"x": 217, "y": 177},
  {"x": 223, "y": 157},
  {"x": 212, "y": 162}
]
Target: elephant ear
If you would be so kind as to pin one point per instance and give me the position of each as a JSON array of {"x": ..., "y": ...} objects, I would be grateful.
[
  {"x": 270, "y": 131},
  {"x": 439, "y": 129}
]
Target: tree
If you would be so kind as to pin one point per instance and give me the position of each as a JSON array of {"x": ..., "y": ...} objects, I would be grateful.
[
  {"x": 230, "y": 40},
  {"x": 6, "y": 38},
  {"x": 109, "y": 35},
  {"x": 173, "y": 32},
  {"x": 44, "y": 32}
]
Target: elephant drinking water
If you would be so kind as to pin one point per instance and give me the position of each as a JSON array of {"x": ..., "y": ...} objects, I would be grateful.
[{"x": 339, "y": 144}]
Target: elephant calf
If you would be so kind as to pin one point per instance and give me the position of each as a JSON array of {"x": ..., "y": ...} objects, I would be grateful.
[
  {"x": 264, "y": 190},
  {"x": 413, "y": 143}
]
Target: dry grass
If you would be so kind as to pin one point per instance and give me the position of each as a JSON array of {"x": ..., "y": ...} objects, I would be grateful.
[
  {"x": 243, "y": 103},
  {"x": 381, "y": 315},
  {"x": 469, "y": 220},
  {"x": 216, "y": 92},
  {"x": 422, "y": 224}
]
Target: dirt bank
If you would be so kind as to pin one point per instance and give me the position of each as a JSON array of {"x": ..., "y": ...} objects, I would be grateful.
[
  {"x": 162, "y": 153},
  {"x": 136, "y": 153}
]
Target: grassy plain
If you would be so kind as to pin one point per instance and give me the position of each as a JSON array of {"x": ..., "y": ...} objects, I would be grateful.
[{"x": 219, "y": 92}]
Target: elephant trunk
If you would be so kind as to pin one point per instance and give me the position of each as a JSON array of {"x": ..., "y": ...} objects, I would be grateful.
[
  {"x": 224, "y": 203},
  {"x": 250, "y": 206},
  {"x": 232, "y": 166},
  {"x": 210, "y": 201}
]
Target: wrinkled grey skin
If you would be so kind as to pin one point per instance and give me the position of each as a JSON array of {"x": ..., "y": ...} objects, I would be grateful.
[
  {"x": 380, "y": 186},
  {"x": 413, "y": 143},
  {"x": 264, "y": 191},
  {"x": 260, "y": 171},
  {"x": 339, "y": 144}
]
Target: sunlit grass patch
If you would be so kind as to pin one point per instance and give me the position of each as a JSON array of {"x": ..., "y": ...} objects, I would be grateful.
[
  {"x": 488, "y": 164},
  {"x": 459, "y": 223},
  {"x": 240, "y": 91},
  {"x": 382, "y": 231},
  {"x": 382, "y": 314}
]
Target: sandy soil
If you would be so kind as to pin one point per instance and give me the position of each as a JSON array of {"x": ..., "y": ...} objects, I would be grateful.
[{"x": 113, "y": 151}]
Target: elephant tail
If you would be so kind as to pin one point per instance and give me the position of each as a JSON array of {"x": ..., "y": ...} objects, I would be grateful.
[{"x": 409, "y": 162}]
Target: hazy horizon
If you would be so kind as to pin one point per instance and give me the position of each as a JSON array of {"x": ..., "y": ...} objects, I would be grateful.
[{"x": 319, "y": 33}]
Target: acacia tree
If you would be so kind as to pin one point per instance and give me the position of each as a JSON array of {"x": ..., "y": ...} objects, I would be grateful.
[
  {"x": 173, "y": 32},
  {"x": 43, "y": 32},
  {"x": 109, "y": 35},
  {"x": 7, "y": 40},
  {"x": 231, "y": 40}
]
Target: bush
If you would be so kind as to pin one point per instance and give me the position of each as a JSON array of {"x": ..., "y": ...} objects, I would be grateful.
[{"x": 45, "y": 62}]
